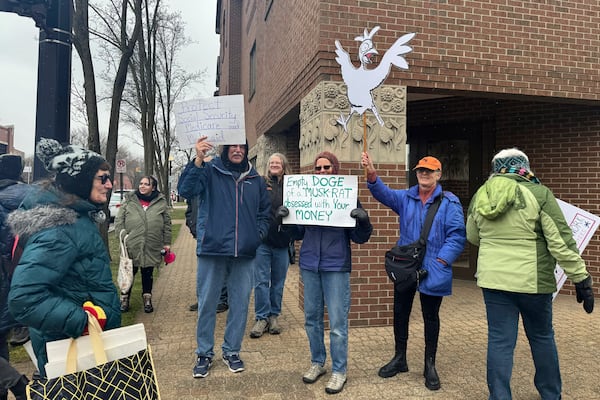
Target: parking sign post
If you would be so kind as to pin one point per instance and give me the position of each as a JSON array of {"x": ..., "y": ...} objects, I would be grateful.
[{"x": 120, "y": 168}]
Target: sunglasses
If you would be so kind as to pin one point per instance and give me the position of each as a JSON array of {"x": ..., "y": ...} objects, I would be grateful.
[
  {"x": 321, "y": 167},
  {"x": 104, "y": 178}
]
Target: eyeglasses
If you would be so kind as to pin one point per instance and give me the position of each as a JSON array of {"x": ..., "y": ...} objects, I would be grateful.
[
  {"x": 104, "y": 178},
  {"x": 426, "y": 171},
  {"x": 321, "y": 167}
]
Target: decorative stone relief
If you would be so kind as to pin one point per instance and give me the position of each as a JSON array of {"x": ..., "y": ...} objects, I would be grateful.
[{"x": 320, "y": 130}]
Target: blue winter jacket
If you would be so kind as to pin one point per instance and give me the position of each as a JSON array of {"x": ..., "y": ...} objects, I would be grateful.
[
  {"x": 235, "y": 212},
  {"x": 326, "y": 248},
  {"x": 64, "y": 264},
  {"x": 447, "y": 236}
]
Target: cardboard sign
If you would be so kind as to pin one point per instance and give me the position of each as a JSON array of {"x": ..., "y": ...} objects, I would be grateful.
[
  {"x": 583, "y": 224},
  {"x": 320, "y": 199},
  {"x": 220, "y": 118}
]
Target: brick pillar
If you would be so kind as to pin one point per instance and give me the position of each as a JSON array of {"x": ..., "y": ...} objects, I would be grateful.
[{"x": 372, "y": 294}]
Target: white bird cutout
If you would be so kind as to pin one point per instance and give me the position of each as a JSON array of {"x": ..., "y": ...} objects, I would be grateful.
[{"x": 361, "y": 81}]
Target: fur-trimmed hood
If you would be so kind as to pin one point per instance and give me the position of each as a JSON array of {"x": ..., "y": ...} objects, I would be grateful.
[{"x": 26, "y": 223}]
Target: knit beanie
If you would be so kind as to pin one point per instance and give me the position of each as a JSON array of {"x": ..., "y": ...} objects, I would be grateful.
[
  {"x": 510, "y": 158},
  {"x": 332, "y": 159},
  {"x": 75, "y": 167},
  {"x": 11, "y": 166}
]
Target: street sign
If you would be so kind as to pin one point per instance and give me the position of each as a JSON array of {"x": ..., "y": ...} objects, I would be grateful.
[{"x": 121, "y": 167}]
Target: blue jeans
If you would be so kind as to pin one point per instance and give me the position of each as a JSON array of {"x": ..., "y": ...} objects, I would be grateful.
[
  {"x": 331, "y": 289},
  {"x": 270, "y": 269},
  {"x": 214, "y": 272},
  {"x": 503, "y": 309}
]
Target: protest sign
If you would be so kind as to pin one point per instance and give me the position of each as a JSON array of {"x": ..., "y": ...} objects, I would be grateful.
[
  {"x": 320, "y": 199},
  {"x": 220, "y": 118},
  {"x": 583, "y": 225}
]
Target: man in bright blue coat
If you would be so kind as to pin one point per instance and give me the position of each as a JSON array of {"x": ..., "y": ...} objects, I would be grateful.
[
  {"x": 234, "y": 220},
  {"x": 445, "y": 243}
]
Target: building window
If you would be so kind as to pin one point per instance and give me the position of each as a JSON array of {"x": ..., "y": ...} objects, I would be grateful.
[{"x": 252, "y": 71}]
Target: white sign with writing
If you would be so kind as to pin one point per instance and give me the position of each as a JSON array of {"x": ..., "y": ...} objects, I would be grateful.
[
  {"x": 583, "y": 224},
  {"x": 219, "y": 118},
  {"x": 320, "y": 199},
  {"x": 121, "y": 166}
]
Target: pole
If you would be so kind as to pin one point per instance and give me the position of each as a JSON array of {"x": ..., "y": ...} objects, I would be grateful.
[
  {"x": 54, "y": 78},
  {"x": 365, "y": 138}
]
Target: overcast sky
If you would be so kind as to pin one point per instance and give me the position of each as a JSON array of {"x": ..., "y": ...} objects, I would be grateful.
[{"x": 19, "y": 54}]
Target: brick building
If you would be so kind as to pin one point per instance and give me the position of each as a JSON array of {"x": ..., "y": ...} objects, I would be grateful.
[{"x": 484, "y": 75}]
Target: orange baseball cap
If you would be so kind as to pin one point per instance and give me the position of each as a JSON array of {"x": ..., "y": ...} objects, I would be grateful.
[{"x": 429, "y": 162}]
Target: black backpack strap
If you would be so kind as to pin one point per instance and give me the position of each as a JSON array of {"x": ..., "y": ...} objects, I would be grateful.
[{"x": 429, "y": 219}]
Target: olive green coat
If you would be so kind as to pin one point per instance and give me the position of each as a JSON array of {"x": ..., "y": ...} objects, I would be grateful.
[{"x": 148, "y": 231}]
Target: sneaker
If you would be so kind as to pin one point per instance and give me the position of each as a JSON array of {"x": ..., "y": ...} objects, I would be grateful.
[
  {"x": 336, "y": 383},
  {"x": 314, "y": 373},
  {"x": 202, "y": 366},
  {"x": 234, "y": 363},
  {"x": 260, "y": 327},
  {"x": 193, "y": 307},
  {"x": 222, "y": 307},
  {"x": 19, "y": 336},
  {"x": 274, "y": 328}
]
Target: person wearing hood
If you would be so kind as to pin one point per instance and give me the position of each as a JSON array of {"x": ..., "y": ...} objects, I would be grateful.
[
  {"x": 145, "y": 217},
  {"x": 12, "y": 192},
  {"x": 63, "y": 275},
  {"x": 232, "y": 224},
  {"x": 522, "y": 234}
]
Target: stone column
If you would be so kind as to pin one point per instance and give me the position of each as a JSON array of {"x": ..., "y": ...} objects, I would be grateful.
[
  {"x": 320, "y": 129},
  {"x": 264, "y": 147}
]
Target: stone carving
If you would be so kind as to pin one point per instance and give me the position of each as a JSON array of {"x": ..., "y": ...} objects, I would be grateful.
[{"x": 320, "y": 129}]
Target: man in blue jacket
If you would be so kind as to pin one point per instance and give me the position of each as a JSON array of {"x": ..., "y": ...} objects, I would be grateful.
[{"x": 236, "y": 219}]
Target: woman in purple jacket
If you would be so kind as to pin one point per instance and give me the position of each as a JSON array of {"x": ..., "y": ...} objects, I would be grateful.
[
  {"x": 445, "y": 243},
  {"x": 325, "y": 264}
]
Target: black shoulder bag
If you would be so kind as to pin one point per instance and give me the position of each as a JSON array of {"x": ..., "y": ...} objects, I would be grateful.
[{"x": 403, "y": 264}]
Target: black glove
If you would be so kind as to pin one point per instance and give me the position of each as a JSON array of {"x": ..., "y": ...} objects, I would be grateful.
[
  {"x": 585, "y": 294},
  {"x": 361, "y": 216},
  {"x": 282, "y": 211}
]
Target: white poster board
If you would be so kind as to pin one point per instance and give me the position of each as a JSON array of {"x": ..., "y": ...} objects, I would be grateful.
[
  {"x": 325, "y": 200},
  {"x": 219, "y": 118},
  {"x": 583, "y": 224}
]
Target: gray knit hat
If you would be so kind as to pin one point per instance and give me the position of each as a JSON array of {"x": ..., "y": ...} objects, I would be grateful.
[
  {"x": 75, "y": 167},
  {"x": 510, "y": 158}
]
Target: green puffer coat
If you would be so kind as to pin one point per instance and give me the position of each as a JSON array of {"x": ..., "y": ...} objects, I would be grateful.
[
  {"x": 64, "y": 264},
  {"x": 148, "y": 230},
  {"x": 521, "y": 233}
]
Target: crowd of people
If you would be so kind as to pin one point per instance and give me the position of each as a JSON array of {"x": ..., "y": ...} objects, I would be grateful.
[{"x": 56, "y": 269}]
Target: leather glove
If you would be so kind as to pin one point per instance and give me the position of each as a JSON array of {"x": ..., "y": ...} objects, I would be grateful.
[
  {"x": 282, "y": 211},
  {"x": 361, "y": 216},
  {"x": 585, "y": 294},
  {"x": 96, "y": 312}
]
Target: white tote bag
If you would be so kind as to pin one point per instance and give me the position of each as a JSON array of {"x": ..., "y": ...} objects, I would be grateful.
[{"x": 125, "y": 273}]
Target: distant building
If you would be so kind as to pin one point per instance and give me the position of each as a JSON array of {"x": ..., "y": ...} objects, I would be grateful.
[
  {"x": 7, "y": 141},
  {"x": 482, "y": 77}
]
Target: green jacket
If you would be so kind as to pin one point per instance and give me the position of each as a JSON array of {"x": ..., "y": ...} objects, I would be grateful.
[
  {"x": 148, "y": 230},
  {"x": 521, "y": 233}
]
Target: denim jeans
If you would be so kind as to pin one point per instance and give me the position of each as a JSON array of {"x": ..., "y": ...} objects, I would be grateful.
[
  {"x": 270, "y": 269},
  {"x": 503, "y": 309},
  {"x": 214, "y": 272},
  {"x": 331, "y": 289}
]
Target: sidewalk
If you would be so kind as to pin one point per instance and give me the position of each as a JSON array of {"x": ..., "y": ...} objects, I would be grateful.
[{"x": 275, "y": 363}]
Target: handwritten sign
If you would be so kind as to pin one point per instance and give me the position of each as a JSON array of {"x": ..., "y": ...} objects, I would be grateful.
[
  {"x": 320, "y": 199},
  {"x": 220, "y": 118},
  {"x": 583, "y": 224}
]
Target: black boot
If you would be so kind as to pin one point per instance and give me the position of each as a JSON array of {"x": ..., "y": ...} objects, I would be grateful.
[
  {"x": 432, "y": 380},
  {"x": 398, "y": 364},
  {"x": 147, "y": 302},
  {"x": 125, "y": 302}
]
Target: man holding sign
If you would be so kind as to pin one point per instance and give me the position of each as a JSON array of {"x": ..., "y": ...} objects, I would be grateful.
[
  {"x": 234, "y": 220},
  {"x": 325, "y": 265}
]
